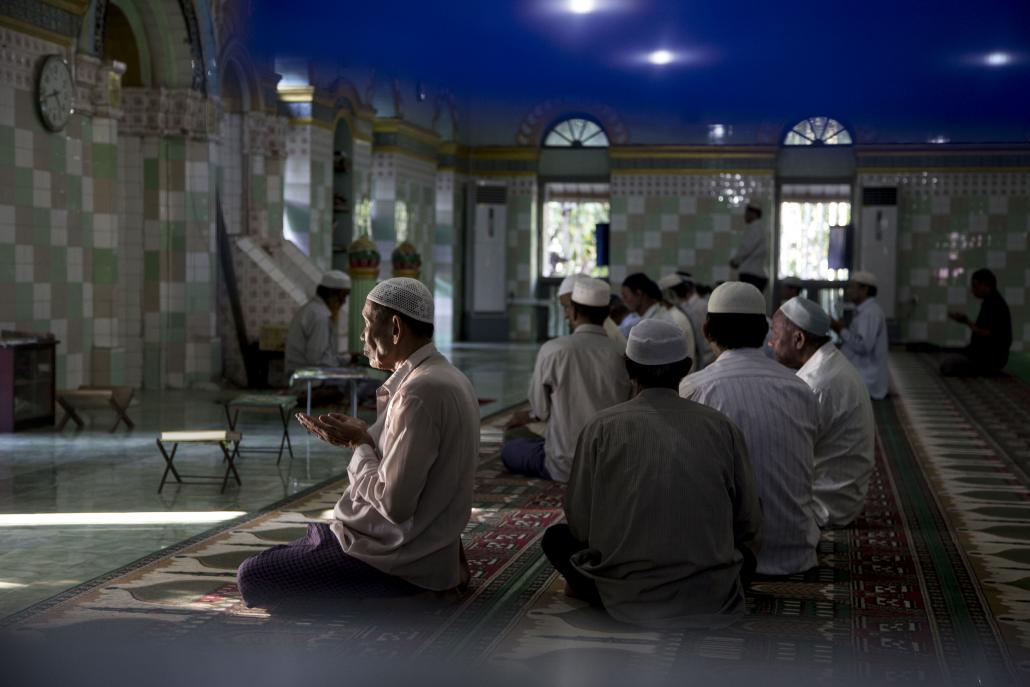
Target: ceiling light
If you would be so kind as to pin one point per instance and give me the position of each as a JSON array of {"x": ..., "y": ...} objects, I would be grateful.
[
  {"x": 717, "y": 133},
  {"x": 998, "y": 59},
  {"x": 581, "y": 6},
  {"x": 660, "y": 57},
  {"x": 940, "y": 138}
]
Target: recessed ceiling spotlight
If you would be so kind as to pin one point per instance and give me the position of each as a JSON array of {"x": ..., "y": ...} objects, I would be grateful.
[
  {"x": 939, "y": 138},
  {"x": 717, "y": 133},
  {"x": 581, "y": 6},
  {"x": 998, "y": 59},
  {"x": 660, "y": 57}
]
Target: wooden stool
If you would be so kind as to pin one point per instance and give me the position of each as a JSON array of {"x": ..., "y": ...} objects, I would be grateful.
[
  {"x": 115, "y": 397},
  {"x": 218, "y": 436},
  {"x": 283, "y": 405}
]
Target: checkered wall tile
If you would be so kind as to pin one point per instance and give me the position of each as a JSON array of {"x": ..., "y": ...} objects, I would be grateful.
[
  {"x": 950, "y": 225},
  {"x": 57, "y": 271},
  {"x": 661, "y": 222}
]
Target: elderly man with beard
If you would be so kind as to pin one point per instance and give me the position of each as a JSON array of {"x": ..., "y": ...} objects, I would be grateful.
[{"x": 396, "y": 530}]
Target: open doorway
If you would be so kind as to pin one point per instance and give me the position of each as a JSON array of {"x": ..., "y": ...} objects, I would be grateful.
[
  {"x": 812, "y": 218},
  {"x": 571, "y": 213}
]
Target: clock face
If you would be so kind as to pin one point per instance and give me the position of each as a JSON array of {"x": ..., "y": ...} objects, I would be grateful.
[{"x": 54, "y": 92}]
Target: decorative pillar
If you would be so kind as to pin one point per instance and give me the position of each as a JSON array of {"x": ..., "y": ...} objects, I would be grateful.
[
  {"x": 406, "y": 261},
  {"x": 364, "y": 260}
]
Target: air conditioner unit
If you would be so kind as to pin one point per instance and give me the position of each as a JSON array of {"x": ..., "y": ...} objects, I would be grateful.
[
  {"x": 878, "y": 242},
  {"x": 490, "y": 286}
]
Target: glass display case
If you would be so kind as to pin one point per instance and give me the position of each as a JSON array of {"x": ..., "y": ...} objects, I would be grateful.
[{"x": 27, "y": 382}]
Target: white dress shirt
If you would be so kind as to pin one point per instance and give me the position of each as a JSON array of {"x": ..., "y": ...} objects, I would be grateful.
[
  {"x": 753, "y": 250},
  {"x": 865, "y": 345},
  {"x": 311, "y": 339},
  {"x": 410, "y": 497},
  {"x": 844, "y": 443},
  {"x": 574, "y": 378},
  {"x": 778, "y": 415}
]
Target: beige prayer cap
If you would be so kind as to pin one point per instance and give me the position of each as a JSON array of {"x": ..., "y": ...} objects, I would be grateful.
[
  {"x": 656, "y": 342},
  {"x": 405, "y": 295},
  {"x": 736, "y": 298},
  {"x": 670, "y": 281},
  {"x": 569, "y": 283},
  {"x": 335, "y": 279},
  {"x": 591, "y": 292},
  {"x": 867, "y": 278},
  {"x": 807, "y": 315}
]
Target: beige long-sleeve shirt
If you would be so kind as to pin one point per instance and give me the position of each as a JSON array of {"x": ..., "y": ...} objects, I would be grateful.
[
  {"x": 574, "y": 377},
  {"x": 844, "y": 442},
  {"x": 663, "y": 494},
  {"x": 410, "y": 497}
]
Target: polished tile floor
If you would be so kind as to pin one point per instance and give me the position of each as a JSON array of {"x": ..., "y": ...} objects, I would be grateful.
[{"x": 81, "y": 475}]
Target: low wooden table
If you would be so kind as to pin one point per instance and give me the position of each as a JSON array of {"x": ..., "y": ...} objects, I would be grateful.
[
  {"x": 117, "y": 398},
  {"x": 283, "y": 405},
  {"x": 223, "y": 438}
]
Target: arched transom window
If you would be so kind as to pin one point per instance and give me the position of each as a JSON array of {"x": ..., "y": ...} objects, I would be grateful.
[
  {"x": 576, "y": 132},
  {"x": 818, "y": 131}
]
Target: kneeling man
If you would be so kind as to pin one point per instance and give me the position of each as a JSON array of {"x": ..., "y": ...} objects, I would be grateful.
[
  {"x": 662, "y": 508},
  {"x": 397, "y": 528}
]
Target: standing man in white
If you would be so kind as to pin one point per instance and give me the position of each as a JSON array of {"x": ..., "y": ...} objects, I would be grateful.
[
  {"x": 753, "y": 250},
  {"x": 865, "y": 339},
  {"x": 845, "y": 442}
]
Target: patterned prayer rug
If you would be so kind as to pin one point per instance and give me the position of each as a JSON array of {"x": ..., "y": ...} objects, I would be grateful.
[
  {"x": 897, "y": 597},
  {"x": 972, "y": 440}
]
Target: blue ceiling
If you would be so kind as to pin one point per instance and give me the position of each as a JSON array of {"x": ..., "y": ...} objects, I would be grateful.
[{"x": 899, "y": 70}]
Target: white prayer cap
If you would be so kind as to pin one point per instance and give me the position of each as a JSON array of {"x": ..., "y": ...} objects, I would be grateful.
[
  {"x": 335, "y": 279},
  {"x": 591, "y": 292},
  {"x": 670, "y": 281},
  {"x": 656, "y": 342},
  {"x": 807, "y": 315},
  {"x": 755, "y": 204},
  {"x": 792, "y": 282},
  {"x": 867, "y": 278},
  {"x": 405, "y": 295},
  {"x": 737, "y": 298},
  {"x": 569, "y": 283}
]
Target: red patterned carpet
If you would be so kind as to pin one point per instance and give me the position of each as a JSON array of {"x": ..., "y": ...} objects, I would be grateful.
[{"x": 894, "y": 598}]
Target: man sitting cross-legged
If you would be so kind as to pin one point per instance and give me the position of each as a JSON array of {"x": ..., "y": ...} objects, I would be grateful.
[
  {"x": 574, "y": 377},
  {"x": 396, "y": 530},
  {"x": 844, "y": 442},
  {"x": 662, "y": 508},
  {"x": 778, "y": 415}
]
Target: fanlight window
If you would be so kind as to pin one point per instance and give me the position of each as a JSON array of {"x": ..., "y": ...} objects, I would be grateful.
[
  {"x": 576, "y": 133},
  {"x": 818, "y": 131}
]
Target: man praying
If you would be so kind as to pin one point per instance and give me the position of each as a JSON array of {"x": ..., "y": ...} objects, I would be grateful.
[{"x": 396, "y": 531}]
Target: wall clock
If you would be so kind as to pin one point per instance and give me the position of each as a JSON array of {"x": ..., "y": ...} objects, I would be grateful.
[{"x": 54, "y": 92}]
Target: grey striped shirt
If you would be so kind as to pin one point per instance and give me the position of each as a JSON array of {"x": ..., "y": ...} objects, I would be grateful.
[{"x": 778, "y": 415}]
